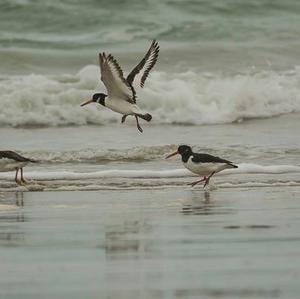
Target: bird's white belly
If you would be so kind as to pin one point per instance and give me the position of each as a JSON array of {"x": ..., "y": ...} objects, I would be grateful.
[
  {"x": 121, "y": 106},
  {"x": 9, "y": 164},
  {"x": 205, "y": 168}
]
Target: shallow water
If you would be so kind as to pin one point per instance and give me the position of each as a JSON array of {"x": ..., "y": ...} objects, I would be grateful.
[
  {"x": 167, "y": 243},
  {"x": 119, "y": 157}
]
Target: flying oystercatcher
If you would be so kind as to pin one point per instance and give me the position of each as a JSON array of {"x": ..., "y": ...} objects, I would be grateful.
[
  {"x": 10, "y": 160},
  {"x": 121, "y": 95},
  {"x": 202, "y": 164}
]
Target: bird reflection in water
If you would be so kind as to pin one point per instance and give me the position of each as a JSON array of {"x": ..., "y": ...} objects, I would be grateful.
[
  {"x": 19, "y": 199},
  {"x": 124, "y": 239},
  {"x": 11, "y": 214},
  {"x": 203, "y": 204},
  {"x": 10, "y": 205}
]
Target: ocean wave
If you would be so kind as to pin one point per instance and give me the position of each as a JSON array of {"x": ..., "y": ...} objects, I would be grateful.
[
  {"x": 90, "y": 155},
  {"x": 182, "y": 98},
  {"x": 152, "y": 153},
  {"x": 119, "y": 22}
]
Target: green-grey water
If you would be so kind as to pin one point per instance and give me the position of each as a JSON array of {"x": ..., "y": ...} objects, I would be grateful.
[
  {"x": 219, "y": 62},
  {"x": 41, "y": 36}
]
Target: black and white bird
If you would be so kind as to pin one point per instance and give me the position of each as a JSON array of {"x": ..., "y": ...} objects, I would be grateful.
[
  {"x": 202, "y": 164},
  {"x": 10, "y": 161},
  {"x": 121, "y": 95}
]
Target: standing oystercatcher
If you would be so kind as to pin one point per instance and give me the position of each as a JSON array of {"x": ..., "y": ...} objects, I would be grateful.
[
  {"x": 202, "y": 164},
  {"x": 10, "y": 160},
  {"x": 121, "y": 95}
]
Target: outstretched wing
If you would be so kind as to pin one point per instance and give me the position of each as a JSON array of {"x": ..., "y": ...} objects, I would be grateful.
[
  {"x": 113, "y": 79},
  {"x": 146, "y": 64}
]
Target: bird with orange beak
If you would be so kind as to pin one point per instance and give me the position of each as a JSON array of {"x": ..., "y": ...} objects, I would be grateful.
[
  {"x": 121, "y": 95},
  {"x": 202, "y": 164}
]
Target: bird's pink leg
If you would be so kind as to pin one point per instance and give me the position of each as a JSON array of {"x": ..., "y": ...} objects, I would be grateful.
[
  {"x": 16, "y": 177},
  {"x": 138, "y": 125},
  {"x": 123, "y": 118},
  {"x": 22, "y": 178},
  {"x": 208, "y": 178},
  {"x": 197, "y": 182}
]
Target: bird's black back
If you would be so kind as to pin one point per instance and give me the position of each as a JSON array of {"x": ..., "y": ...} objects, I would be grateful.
[
  {"x": 206, "y": 158},
  {"x": 14, "y": 156}
]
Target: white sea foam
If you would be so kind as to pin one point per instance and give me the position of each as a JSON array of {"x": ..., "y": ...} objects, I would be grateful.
[
  {"x": 116, "y": 179},
  {"x": 243, "y": 168},
  {"x": 188, "y": 98}
]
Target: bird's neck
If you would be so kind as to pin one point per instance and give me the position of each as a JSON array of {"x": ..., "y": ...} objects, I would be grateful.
[
  {"x": 185, "y": 157},
  {"x": 101, "y": 101}
]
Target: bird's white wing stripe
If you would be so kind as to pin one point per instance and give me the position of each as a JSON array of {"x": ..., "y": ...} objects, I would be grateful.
[
  {"x": 113, "y": 79},
  {"x": 142, "y": 70},
  {"x": 150, "y": 63}
]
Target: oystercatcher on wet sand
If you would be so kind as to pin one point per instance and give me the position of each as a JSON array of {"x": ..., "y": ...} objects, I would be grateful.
[
  {"x": 202, "y": 164},
  {"x": 10, "y": 160}
]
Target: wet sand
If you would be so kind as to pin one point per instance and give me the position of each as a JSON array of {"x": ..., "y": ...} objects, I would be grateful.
[{"x": 166, "y": 243}]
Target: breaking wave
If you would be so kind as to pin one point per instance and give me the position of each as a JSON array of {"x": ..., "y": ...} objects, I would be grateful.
[
  {"x": 90, "y": 155},
  {"x": 182, "y": 98},
  {"x": 140, "y": 154}
]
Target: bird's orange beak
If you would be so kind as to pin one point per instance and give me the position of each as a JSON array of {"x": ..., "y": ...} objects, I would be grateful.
[
  {"x": 86, "y": 102},
  {"x": 171, "y": 155}
]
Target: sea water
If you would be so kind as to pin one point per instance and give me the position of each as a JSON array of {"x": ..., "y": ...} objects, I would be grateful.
[{"x": 227, "y": 82}]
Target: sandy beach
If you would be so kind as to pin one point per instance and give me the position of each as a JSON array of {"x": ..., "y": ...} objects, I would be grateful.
[{"x": 168, "y": 243}]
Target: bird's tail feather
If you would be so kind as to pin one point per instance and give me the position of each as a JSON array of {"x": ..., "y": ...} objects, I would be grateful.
[
  {"x": 33, "y": 161},
  {"x": 233, "y": 166}
]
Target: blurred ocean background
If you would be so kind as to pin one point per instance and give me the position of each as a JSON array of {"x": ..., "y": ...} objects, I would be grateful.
[{"x": 220, "y": 61}]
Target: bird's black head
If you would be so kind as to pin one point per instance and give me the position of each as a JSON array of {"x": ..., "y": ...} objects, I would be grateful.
[
  {"x": 96, "y": 98},
  {"x": 184, "y": 150},
  {"x": 99, "y": 98}
]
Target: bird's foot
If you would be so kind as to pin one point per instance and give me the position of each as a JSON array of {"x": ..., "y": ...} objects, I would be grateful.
[
  {"x": 20, "y": 183},
  {"x": 138, "y": 125},
  {"x": 206, "y": 182},
  {"x": 140, "y": 128},
  {"x": 207, "y": 179},
  {"x": 123, "y": 118},
  {"x": 24, "y": 181},
  {"x": 197, "y": 182}
]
